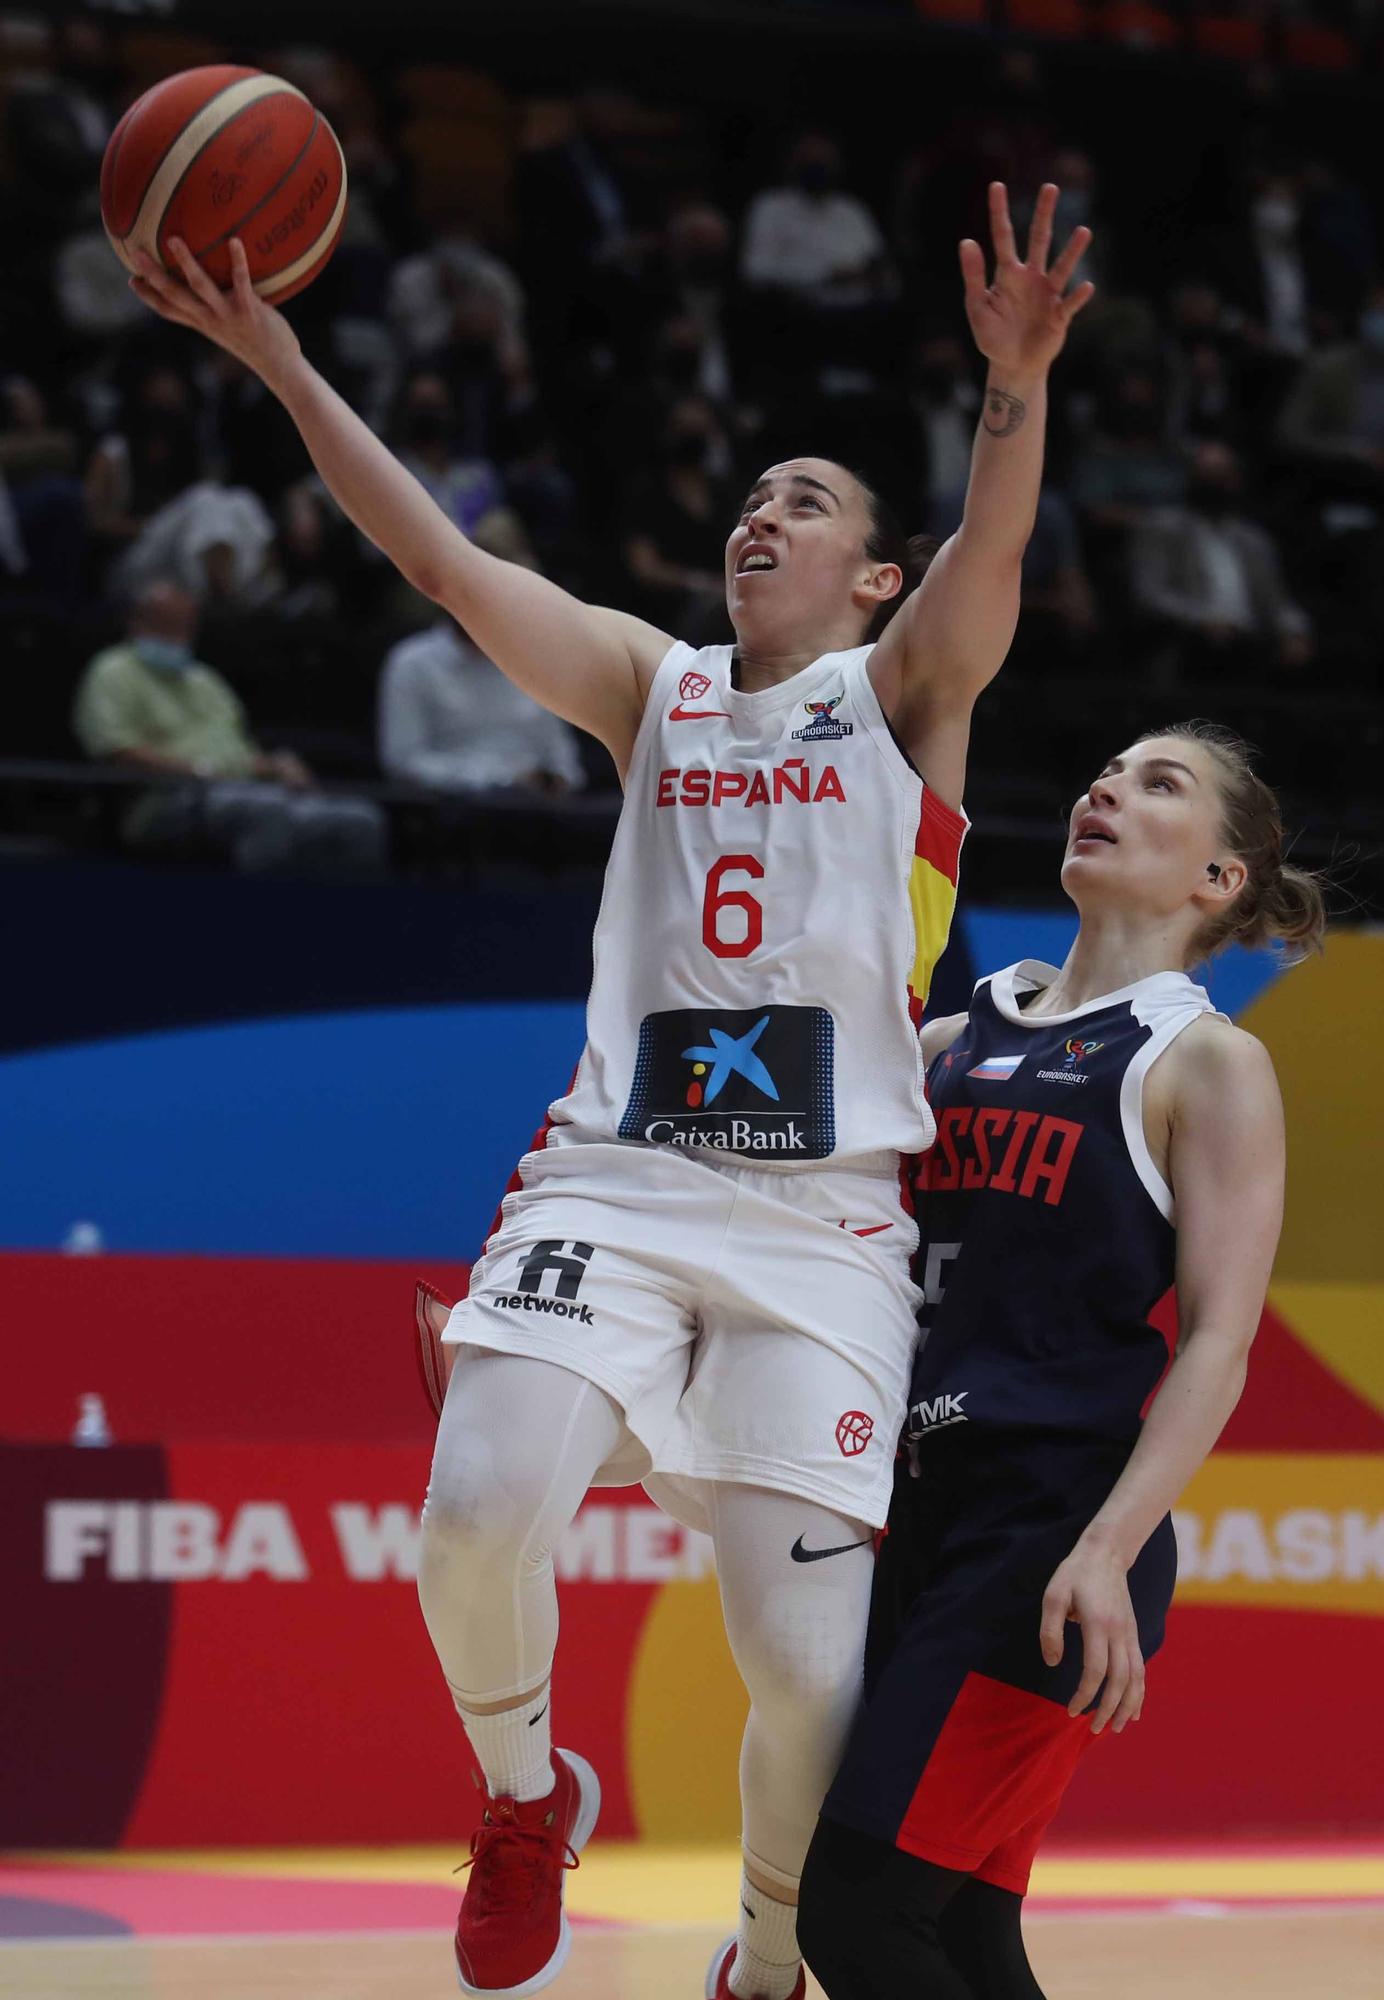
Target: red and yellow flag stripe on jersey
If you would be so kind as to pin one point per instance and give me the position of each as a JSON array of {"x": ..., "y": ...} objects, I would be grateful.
[{"x": 932, "y": 891}]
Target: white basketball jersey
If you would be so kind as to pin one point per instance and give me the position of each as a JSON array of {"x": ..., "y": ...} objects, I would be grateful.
[{"x": 780, "y": 887}]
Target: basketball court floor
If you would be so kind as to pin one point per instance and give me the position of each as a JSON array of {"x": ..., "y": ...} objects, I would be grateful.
[{"x": 342, "y": 1924}]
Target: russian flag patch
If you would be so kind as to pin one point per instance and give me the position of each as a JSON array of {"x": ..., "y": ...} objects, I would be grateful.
[{"x": 996, "y": 1069}]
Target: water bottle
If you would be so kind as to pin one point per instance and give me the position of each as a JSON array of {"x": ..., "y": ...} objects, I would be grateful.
[{"x": 92, "y": 1426}]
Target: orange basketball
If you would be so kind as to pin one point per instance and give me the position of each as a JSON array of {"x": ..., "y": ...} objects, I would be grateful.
[{"x": 220, "y": 152}]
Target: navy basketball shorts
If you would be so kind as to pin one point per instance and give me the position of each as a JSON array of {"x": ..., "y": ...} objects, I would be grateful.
[{"x": 963, "y": 1746}]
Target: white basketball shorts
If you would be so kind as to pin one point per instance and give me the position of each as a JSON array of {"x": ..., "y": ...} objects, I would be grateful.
[{"x": 754, "y": 1326}]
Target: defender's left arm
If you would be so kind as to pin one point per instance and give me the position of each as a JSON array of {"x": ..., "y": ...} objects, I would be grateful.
[
  {"x": 1227, "y": 1166},
  {"x": 950, "y": 638}
]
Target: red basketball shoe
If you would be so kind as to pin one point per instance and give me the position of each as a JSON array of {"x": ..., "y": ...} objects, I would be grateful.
[
  {"x": 512, "y": 1934},
  {"x": 718, "y": 1975}
]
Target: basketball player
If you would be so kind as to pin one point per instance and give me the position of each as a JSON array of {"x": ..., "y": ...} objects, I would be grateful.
[
  {"x": 702, "y": 1270},
  {"x": 1101, "y": 1133}
]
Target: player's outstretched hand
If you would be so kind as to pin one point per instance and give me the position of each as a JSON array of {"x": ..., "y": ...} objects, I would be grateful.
[
  {"x": 1020, "y": 320},
  {"x": 1090, "y": 1589},
  {"x": 238, "y": 320}
]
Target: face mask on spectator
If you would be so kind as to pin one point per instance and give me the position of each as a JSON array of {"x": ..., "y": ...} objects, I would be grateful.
[
  {"x": 1275, "y": 216},
  {"x": 815, "y": 176},
  {"x": 681, "y": 365},
  {"x": 1209, "y": 496},
  {"x": 428, "y": 427},
  {"x": 687, "y": 450},
  {"x": 1372, "y": 329},
  {"x": 165, "y": 656}
]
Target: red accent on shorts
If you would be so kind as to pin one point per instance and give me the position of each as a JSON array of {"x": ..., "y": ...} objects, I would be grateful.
[
  {"x": 994, "y": 1779},
  {"x": 908, "y": 1167},
  {"x": 515, "y": 1183},
  {"x": 940, "y": 834}
]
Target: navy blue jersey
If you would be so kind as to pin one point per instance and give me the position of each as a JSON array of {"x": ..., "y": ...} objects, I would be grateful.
[{"x": 1046, "y": 1228}]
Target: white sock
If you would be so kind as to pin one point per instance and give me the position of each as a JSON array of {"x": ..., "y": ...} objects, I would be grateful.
[
  {"x": 767, "y": 1958},
  {"x": 514, "y": 1748}
]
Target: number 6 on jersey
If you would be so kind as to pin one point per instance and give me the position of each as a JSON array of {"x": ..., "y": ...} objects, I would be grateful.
[{"x": 714, "y": 902}]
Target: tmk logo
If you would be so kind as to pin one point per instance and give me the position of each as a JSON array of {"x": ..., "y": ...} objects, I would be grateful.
[{"x": 931, "y": 1416}]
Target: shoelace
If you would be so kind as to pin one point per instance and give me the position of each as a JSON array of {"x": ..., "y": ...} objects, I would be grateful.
[{"x": 516, "y": 1858}]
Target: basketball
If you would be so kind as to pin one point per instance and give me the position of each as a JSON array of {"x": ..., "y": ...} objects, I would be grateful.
[{"x": 225, "y": 151}]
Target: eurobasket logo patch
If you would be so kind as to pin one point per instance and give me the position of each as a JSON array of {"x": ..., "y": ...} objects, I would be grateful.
[
  {"x": 1071, "y": 1070},
  {"x": 822, "y": 725},
  {"x": 751, "y": 1080},
  {"x": 1077, "y": 1052},
  {"x": 995, "y": 1069}
]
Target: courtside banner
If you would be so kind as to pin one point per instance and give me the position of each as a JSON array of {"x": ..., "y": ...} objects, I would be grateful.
[{"x": 215, "y": 1641}]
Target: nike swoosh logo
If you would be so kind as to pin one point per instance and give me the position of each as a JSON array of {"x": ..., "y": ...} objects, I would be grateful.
[
  {"x": 748, "y": 1911},
  {"x": 802, "y": 1555},
  {"x": 540, "y": 1715},
  {"x": 874, "y": 1229},
  {"x": 697, "y": 714}
]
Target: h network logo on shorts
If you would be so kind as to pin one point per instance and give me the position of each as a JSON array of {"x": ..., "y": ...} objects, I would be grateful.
[
  {"x": 564, "y": 1264},
  {"x": 762, "y": 1080}
]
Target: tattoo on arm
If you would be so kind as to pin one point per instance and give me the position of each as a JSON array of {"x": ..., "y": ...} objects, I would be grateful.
[{"x": 1003, "y": 413}]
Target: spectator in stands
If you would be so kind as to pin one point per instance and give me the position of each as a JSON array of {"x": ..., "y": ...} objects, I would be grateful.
[
  {"x": 1333, "y": 420},
  {"x": 148, "y": 704},
  {"x": 466, "y": 489},
  {"x": 449, "y": 719},
  {"x": 216, "y": 542},
  {"x": 455, "y": 275},
  {"x": 699, "y": 278},
  {"x": 676, "y": 528},
  {"x": 1204, "y": 357},
  {"x": 809, "y": 239},
  {"x": 1210, "y": 579},
  {"x": 150, "y": 460},
  {"x": 946, "y": 402},
  {"x": 821, "y": 286},
  {"x": 1006, "y": 133},
  {"x": 38, "y": 463},
  {"x": 1127, "y": 466},
  {"x": 251, "y": 441}
]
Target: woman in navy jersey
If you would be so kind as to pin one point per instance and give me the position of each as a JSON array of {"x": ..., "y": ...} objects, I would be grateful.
[{"x": 1102, "y": 1133}]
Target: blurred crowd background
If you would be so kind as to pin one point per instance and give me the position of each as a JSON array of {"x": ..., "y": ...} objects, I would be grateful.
[{"x": 600, "y": 266}]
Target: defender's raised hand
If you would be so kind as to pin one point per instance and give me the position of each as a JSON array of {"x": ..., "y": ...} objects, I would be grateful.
[
  {"x": 1020, "y": 319},
  {"x": 238, "y": 320}
]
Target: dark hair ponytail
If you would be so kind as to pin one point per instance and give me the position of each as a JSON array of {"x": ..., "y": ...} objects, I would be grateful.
[
  {"x": 1280, "y": 903},
  {"x": 887, "y": 543}
]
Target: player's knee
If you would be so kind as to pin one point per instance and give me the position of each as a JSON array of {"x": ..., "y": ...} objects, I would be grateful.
[
  {"x": 804, "y": 1672},
  {"x": 468, "y": 1515}
]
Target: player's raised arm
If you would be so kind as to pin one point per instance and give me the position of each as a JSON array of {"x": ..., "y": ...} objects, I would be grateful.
[
  {"x": 950, "y": 638},
  {"x": 589, "y": 665}
]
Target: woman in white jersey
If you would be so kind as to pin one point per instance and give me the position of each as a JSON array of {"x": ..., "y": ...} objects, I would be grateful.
[{"x": 703, "y": 1272}]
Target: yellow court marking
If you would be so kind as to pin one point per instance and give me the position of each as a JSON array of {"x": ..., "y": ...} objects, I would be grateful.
[{"x": 627, "y": 1882}]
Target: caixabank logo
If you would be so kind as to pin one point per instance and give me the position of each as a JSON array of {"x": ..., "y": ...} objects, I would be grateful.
[{"x": 753, "y": 1080}]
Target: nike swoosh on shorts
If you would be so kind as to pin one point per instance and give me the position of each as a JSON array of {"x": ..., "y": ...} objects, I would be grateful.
[{"x": 802, "y": 1555}]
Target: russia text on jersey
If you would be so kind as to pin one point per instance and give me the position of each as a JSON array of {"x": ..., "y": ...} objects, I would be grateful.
[{"x": 1044, "y": 1146}]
